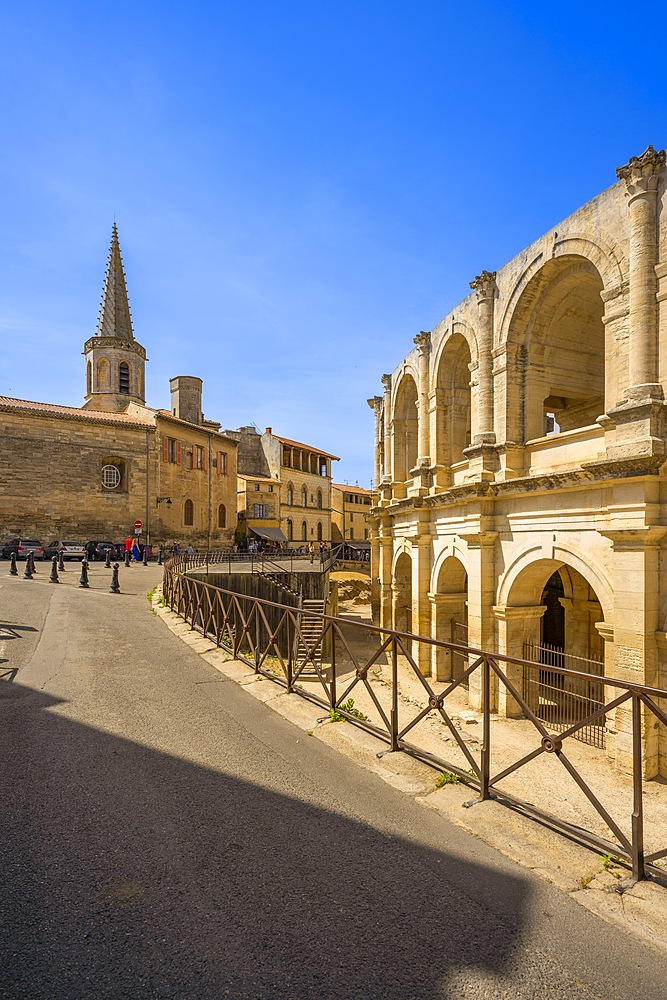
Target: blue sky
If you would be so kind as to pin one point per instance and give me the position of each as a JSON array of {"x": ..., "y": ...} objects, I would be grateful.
[{"x": 299, "y": 188}]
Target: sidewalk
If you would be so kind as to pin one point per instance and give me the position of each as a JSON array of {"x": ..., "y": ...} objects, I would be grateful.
[{"x": 586, "y": 876}]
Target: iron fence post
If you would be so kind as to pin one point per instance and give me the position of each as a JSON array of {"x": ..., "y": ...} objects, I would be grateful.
[
  {"x": 486, "y": 732},
  {"x": 394, "y": 693},
  {"x": 256, "y": 641},
  {"x": 638, "y": 872},
  {"x": 290, "y": 656},
  {"x": 332, "y": 692}
]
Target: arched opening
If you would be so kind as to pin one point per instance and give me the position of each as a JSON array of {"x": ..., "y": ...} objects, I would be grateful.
[
  {"x": 450, "y": 618},
  {"x": 304, "y": 531},
  {"x": 406, "y": 429},
  {"x": 319, "y": 531},
  {"x": 402, "y": 593},
  {"x": 290, "y": 495},
  {"x": 290, "y": 530},
  {"x": 557, "y": 611},
  {"x": 89, "y": 378},
  {"x": 304, "y": 496},
  {"x": 188, "y": 514},
  {"x": 558, "y": 325},
  {"x": 453, "y": 429},
  {"x": 124, "y": 377},
  {"x": 222, "y": 516},
  {"x": 319, "y": 499}
]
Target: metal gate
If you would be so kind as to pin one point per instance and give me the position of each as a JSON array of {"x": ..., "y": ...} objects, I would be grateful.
[{"x": 561, "y": 701}]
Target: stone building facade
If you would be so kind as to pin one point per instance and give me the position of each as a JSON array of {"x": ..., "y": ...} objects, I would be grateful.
[
  {"x": 349, "y": 507},
  {"x": 301, "y": 474},
  {"x": 521, "y": 456},
  {"x": 90, "y": 473}
]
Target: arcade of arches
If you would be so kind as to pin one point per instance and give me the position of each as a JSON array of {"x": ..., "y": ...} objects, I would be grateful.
[{"x": 521, "y": 459}]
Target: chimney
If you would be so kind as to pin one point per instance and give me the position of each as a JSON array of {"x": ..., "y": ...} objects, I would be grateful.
[
  {"x": 268, "y": 430},
  {"x": 186, "y": 398}
]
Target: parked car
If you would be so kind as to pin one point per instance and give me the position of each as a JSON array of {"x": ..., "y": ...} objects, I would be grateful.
[
  {"x": 21, "y": 546},
  {"x": 70, "y": 550},
  {"x": 98, "y": 550}
]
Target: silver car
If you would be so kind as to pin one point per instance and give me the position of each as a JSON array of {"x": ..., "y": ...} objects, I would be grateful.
[{"x": 70, "y": 550}]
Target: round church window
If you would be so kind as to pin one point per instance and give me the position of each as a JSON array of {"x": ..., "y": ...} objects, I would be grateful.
[{"x": 110, "y": 477}]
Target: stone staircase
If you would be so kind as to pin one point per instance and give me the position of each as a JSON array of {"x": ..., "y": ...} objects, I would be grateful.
[{"x": 311, "y": 629}]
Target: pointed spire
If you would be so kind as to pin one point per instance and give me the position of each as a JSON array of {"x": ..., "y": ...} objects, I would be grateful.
[{"x": 115, "y": 319}]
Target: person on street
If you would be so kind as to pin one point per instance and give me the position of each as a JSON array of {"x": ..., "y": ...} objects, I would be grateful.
[{"x": 311, "y": 550}]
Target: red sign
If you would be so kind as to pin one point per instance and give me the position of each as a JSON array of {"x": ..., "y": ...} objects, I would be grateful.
[{"x": 138, "y": 525}]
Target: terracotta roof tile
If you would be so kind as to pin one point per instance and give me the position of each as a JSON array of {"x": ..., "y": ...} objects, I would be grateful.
[
  {"x": 73, "y": 413},
  {"x": 306, "y": 447}
]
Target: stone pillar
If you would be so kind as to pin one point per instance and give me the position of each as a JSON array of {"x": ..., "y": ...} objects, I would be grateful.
[
  {"x": 378, "y": 451},
  {"x": 636, "y": 620},
  {"x": 481, "y": 597},
  {"x": 387, "y": 472},
  {"x": 386, "y": 552},
  {"x": 516, "y": 625},
  {"x": 641, "y": 176},
  {"x": 421, "y": 606},
  {"x": 637, "y": 421},
  {"x": 485, "y": 287},
  {"x": 421, "y": 473}
]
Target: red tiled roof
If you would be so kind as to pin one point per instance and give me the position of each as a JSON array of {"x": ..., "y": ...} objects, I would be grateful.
[
  {"x": 306, "y": 447},
  {"x": 168, "y": 415},
  {"x": 351, "y": 489},
  {"x": 73, "y": 413}
]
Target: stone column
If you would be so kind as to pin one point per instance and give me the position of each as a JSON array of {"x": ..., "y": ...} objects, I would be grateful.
[
  {"x": 387, "y": 471},
  {"x": 376, "y": 406},
  {"x": 421, "y": 474},
  {"x": 421, "y": 606},
  {"x": 641, "y": 176},
  {"x": 515, "y": 626},
  {"x": 485, "y": 287},
  {"x": 637, "y": 618},
  {"x": 481, "y": 455},
  {"x": 386, "y": 552},
  {"x": 481, "y": 597}
]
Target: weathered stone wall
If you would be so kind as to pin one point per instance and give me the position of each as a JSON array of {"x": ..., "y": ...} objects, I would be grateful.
[{"x": 50, "y": 477}]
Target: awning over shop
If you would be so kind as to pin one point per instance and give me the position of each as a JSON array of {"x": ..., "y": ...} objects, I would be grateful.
[
  {"x": 269, "y": 534},
  {"x": 362, "y": 546}
]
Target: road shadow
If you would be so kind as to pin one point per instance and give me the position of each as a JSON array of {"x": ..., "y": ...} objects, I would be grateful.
[{"x": 129, "y": 873}]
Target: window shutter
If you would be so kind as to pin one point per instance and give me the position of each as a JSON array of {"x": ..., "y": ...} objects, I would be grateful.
[
  {"x": 165, "y": 449},
  {"x": 178, "y": 453},
  {"x": 205, "y": 458}
]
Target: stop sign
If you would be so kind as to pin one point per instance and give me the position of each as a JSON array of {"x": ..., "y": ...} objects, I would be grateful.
[{"x": 138, "y": 525}]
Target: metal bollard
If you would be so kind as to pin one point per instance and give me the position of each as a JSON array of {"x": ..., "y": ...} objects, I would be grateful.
[
  {"x": 115, "y": 586},
  {"x": 27, "y": 573},
  {"x": 12, "y": 564},
  {"x": 145, "y": 560},
  {"x": 61, "y": 562},
  {"x": 54, "y": 571},
  {"x": 127, "y": 558},
  {"x": 159, "y": 556},
  {"x": 107, "y": 559},
  {"x": 83, "y": 579}
]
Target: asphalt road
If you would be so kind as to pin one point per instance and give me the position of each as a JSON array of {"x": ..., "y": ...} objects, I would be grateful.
[{"x": 164, "y": 834}]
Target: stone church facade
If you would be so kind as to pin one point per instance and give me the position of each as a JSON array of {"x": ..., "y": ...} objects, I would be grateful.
[
  {"x": 521, "y": 457},
  {"x": 90, "y": 473}
]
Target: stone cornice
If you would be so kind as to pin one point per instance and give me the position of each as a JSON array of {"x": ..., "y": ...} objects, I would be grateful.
[{"x": 117, "y": 343}]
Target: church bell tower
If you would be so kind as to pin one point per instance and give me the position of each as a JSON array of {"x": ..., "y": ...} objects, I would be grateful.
[{"x": 115, "y": 361}]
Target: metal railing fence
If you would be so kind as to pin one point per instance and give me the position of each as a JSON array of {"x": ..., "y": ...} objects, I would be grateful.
[{"x": 265, "y": 635}]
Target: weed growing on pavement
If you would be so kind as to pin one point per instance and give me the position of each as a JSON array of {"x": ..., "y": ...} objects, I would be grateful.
[
  {"x": 586, "y": 880},
  {"x": 347, "y": 706},
  {"x": 448, "y": 778},
  {"x": 610, "y": 863},
  {"x": 151, "y": 594}
]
